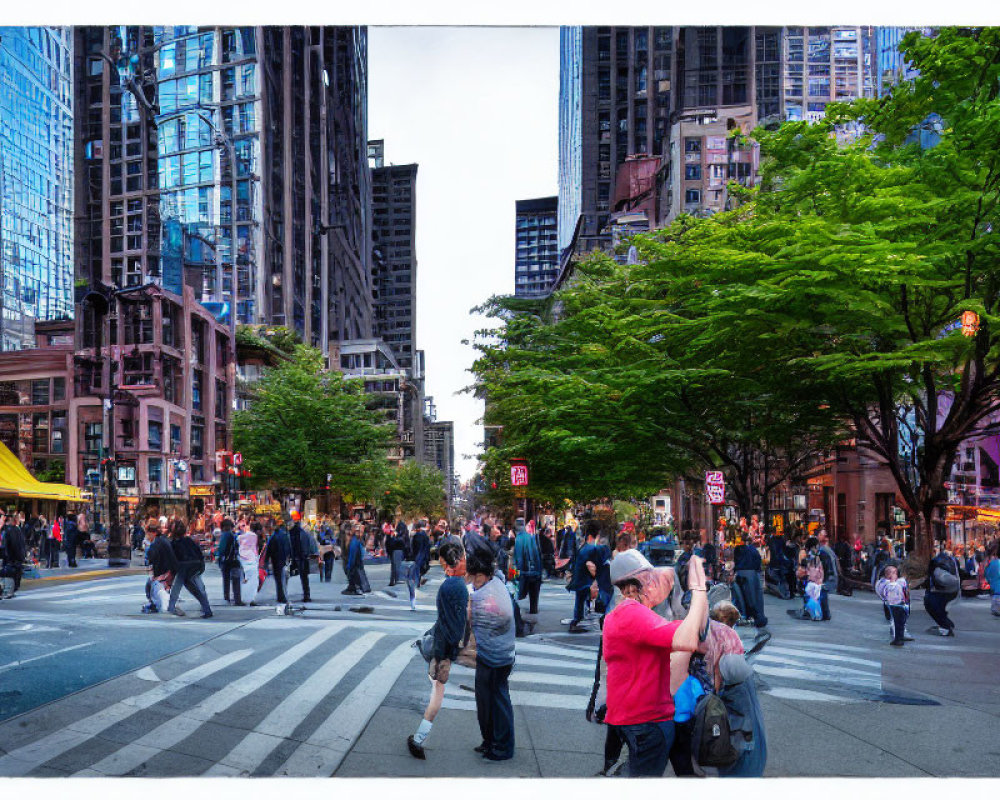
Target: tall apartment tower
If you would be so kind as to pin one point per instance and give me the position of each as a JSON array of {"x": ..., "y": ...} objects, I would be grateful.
[
  {"x": 536, "y": 263},
  {"x": 36, "y": 181},
  {"x": 165, "y": 107},
  {"x": 394, "y": 248},
  {"x": 646, "y": 94}
]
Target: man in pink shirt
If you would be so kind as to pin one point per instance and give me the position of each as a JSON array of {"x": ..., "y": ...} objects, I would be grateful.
[{"x": 637, "y": 644}]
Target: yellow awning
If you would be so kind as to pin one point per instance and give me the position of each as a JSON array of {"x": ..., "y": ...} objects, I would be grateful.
[{"x": 15, "y": 479}]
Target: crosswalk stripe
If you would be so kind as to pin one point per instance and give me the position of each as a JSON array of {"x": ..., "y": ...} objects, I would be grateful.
[
  {"x": 187, "y": 723},
  {"x": 803, "y": 660},
  {"x": 564, "y": 681},
  {"x": 24, "y": 759},
  {"x": 571, "y": 702},
  {"x": 791, "y": 693},
  {"x": 13, "y": 664},
  {"x": 253, "y": 749},
  {"x": 534, "y": 661},
  {"x": 47, "y": 594},
  {"x": 586, "y": 654},
  {"x": 814, "y": 675},
  {"x": 320, "y": 755},
  {"x": 811, "y": 652}
]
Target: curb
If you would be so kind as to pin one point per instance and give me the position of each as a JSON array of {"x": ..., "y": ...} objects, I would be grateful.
[{"x": 76, "y": 577}]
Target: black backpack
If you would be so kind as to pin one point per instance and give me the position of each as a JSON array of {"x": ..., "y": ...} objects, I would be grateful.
[{"x": 711, "y": 739}]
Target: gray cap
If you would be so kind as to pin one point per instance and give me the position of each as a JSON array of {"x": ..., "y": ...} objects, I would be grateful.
[{"x": 627, "y": 565}]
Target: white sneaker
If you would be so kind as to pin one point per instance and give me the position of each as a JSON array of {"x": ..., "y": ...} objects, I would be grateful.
[{"x": 907, "y": 636}]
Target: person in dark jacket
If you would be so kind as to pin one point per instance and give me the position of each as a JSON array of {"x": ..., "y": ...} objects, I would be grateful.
[
  {"x": 70, "y": 533},
  {"x": 420, "y": 546},
  {"x": 747, "y": 567},
  {"x": 941, "y": 590},
  {"x": 584, "y": 574},
  {"x": 190, "y": 566},
  {"x": 303, "y": 547},
  {"x": 547, "y": 547},
  {"x": 567, "y": 548},
  {"x": 14, "y": 550},
  {"x": 278, "y": 552},
  {"x": 528, "y": 560},
  {"x": 357, "y": 579},
  {"x": 327, "y": 541},
  {"x": 160, "y": 558},
  {"x": 448, "y": 635},
  {"x": 395, "y": 548},
  {"x": 779, "y": 566},
  {"x": 403, "y": 533},
  {"x": 229, "y": 563}
]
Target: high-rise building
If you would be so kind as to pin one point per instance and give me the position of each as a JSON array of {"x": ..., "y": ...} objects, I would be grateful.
[
  {"x": 570, "y": 132},
  {"x": 824, "y": 65},
  {"x": 536, "y": 263},
  {"x": 36, "y": 180},
  {"x": 164, "y": 112},
  {"x": 394, "y": 247},
  {"x": 439, "y": 447}
]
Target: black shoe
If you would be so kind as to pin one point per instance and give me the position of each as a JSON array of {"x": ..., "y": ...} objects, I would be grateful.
[
  {"x": 306, "y": 599},
  {"x": 207, "y": 615},
  {"x": 416, "y": 750},
  {"x": 348, "y": 591},
  {"x": 894, "y": 643},
  {"x": 239, "y": 604},
  {"x": 482, "y": 748},
  {"x": 574, "y": 628},
  {"x": 490, "y": 755}
]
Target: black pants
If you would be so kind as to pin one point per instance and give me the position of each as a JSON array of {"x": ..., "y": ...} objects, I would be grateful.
[
  {"x": 278, "y": 572},
  {"x": 530, "y": 587},
  {"x": 304, "y": 576},
  {"x": 395, "y": 563},
  {"x": 753, "y": 596},
  {"x": 71, "y": 552},
  {"x": 232, "y": 577},
  {"x": 328, "y": 560},
  {"x": 494, "y": 709},
  {"x": 824, "y": 603},
  {"x": 680, "y": 750},
  {"x": 359, "y": 580},
  {"x": 936, "y": 604},
  {"x": 898, "y": 622},
  {"x": 52, "y": 556},
  {"x": 613, "y": 744}
]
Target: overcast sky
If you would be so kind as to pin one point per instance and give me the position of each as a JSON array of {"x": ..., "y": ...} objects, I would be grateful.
[{"x": 477, "y": 109}]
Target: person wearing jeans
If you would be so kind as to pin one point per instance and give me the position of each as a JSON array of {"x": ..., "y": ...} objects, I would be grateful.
[
  {"x": 938, "y": 594},
  {"x": 637, "y": 645},
  {"x": 528, "y": 560},
  {"x": 190, "y": 565}
]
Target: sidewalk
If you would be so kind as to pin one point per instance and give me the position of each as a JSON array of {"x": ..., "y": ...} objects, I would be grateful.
[{"x": 88, "y": 569}]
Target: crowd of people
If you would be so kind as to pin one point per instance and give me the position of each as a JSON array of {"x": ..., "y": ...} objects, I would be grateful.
[{"x": 29, "y": 540}]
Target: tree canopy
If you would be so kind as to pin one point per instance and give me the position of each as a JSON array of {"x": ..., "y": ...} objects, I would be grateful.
[
  {"x": 827, "y": 300},
  {"x": 305, "y": 424},
  {"x": 413, "y": 490}
]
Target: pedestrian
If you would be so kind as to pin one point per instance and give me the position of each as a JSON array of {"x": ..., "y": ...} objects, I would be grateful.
[
  {"x": 943, "y": 586},
  {"x": 738, "y": 691},
  {"x": 568, "y": 547},
  {"x": 992, "y": 574},
  {"x": 228, "y": 556},
  {"x": 528, "y": 562},
  {"x": 277, "y": 553},
  {"x": 895, "y": 593},
  {"x": 448, "y": 634},
  {"x": 162, "y": 564},
  {"x": 303, "y": 549},
  {"x": 747, "y": 566},
  {"x": 327, "y": 553},
  {"x": 394, "y": 550},
  {"x": 420, "y": 550},
  {"x": 547, "y": 547},
  {"x": 584, "y": 575},
  {"x": 249, "y": 558},
  {"x": 13, "y": 549},
  {"x": 637, "y": 647},
  {"x": 190, "y": 566},
  {"x": 357, "y": 578},
  {"x": 55, "y": 543},
  {"x": 491, "y": 615},
  {"x": 815, "y": 603},
  {"x": 69, "y": 540}
]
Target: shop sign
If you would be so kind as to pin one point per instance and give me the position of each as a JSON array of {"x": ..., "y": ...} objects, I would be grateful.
[
  {"x": 202, "y": 491},
  {"x": 518, "y": 473},
  {"x": 715, "y": 487}
]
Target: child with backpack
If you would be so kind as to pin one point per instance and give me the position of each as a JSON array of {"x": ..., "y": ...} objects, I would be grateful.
[{"x": 895, "y": 593}]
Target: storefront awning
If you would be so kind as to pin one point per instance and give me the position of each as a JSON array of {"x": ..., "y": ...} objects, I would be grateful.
[
  {"x": 16, "y": 480},
  {"x": 973, "y": 514}
]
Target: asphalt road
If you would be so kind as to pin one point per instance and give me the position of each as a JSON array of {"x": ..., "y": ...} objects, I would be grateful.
[{"x": 90, "y": 686}]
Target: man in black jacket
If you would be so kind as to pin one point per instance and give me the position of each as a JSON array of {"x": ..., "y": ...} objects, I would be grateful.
[
  {"x": 278, "y": 551},
  {"x": 160, "y": 557},
  {"x": 301, "y": 548},
  {"x": 190, "y": 566},
  {"x": 70, "y": 533},
  {"x": 229, "y": 563},
  {"x": 14, "y": 551}
]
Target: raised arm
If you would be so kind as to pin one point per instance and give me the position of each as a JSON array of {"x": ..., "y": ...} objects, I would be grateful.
[{"x": 687, "y": 634}]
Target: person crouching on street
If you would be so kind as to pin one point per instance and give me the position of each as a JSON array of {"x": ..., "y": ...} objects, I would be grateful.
[
  {"x": 448, "y": 634},
  {"x": 190, "y": 566},
  {"x": 637, "y": 645},
  {"x": 895, "y": 593},
  {"x": 491, "y": 612}
]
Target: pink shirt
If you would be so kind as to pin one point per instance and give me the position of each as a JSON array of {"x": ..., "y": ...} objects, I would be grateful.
[{"x": 637, "y": 651}]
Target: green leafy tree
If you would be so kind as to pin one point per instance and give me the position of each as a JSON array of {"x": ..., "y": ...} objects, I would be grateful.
[
  {"x": 306, "y": 424},
  {"x": 413, "y": 490}
]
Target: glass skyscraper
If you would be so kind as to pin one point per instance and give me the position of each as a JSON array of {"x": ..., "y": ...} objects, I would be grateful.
[
  {"x": 36, "y": 180},
  {"x": 570, "y": 131}
]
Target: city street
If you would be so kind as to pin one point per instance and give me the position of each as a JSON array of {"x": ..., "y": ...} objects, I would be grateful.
[{"x": 91, "y": 687}]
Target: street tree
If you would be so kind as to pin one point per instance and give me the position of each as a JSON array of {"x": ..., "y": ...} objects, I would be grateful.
[
  {"x": 413, "y": 490},
  {"x": 307, "y": 428}
]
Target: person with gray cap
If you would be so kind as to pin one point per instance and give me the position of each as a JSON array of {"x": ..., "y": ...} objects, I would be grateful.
[{"x": 637, "y": 644}]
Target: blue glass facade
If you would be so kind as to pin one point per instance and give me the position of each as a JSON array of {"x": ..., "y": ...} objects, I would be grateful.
[
  {"x": 36, "y": 178},
  {"x": 215, "y": 71},
  {"x": 570, "y": 132},
  {"x": 890, "y": 66}
]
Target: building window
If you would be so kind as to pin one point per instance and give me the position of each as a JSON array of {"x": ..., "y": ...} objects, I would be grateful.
[
  {"x": 93, "y": 433},
  {"x": 58, "y": 389},
  {"x": 58, "y": 432},
  {"x": 220, "y": 399},
  {"x": 692, "y": 172},
  {"x": 40, "y": 433},
  {"x": 197, "y": 436},
  {"x": 175, "y": 438},
  {"x": 40, "y": 392},
  {"x": 155, "y": 435},
  {"x": 692, "y": 196},
  {"x": 155, "y": 467},
  {"x": 692, "y": 144},
  {"x": 196, "y": 381}
]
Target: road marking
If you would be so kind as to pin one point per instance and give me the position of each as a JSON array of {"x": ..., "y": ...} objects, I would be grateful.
[
  {"x": 565, "y": 681},
  {"x": 321, "y": 754},
  {"x": 534, "y": 661},
  {"x": 456, "y": 698},
  {"x": 806, "y": 650},
  {"x": 586, "y": 654},
  {"x": 24, "y": 759},
  {"x": 14, "y": 664},
  {"x": 788, "y": 693},
  {"x": 186, "y": 723},
  {"x": 147, "y": 674},
  {"x": 48, "y": 594},
  {"x": 815, "y": 675},
  {"x": 281, "y": 723},
  {"x": 810, "y": 657}
]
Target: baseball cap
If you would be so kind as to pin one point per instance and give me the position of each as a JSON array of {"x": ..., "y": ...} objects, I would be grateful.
[{"x": 627, "y": 565}]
